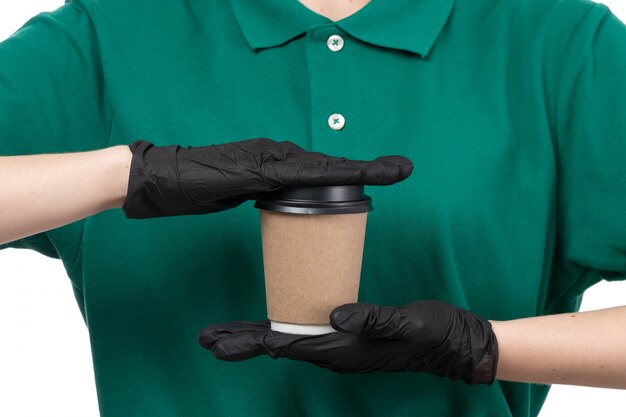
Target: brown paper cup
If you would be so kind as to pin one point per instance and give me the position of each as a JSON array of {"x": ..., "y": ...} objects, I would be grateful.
[{"x": 312, "y": 264}]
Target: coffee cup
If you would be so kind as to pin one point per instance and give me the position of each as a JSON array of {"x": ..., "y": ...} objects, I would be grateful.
[{"x": 312, "y": 239}]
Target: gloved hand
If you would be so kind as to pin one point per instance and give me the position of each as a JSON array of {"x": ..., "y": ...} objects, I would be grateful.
[
  {"x": 423, "y": 336},
  {"x": 171, "y": 180}
]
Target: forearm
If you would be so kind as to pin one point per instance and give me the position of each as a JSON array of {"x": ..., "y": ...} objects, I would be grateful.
[
  {"x": 574, "y": 348},
  {"x": 42, "y": 192}
]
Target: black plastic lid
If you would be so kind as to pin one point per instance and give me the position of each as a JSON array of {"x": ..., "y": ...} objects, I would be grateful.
[{"x": 335, "y": 199}]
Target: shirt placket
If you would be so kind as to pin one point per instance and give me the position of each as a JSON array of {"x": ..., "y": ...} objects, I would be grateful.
[{"x": 334, "y": 116}]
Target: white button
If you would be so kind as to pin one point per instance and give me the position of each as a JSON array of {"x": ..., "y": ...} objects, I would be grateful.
[
  {"x": 335, "y": 43},
  {"x": 336, "y": 121}
]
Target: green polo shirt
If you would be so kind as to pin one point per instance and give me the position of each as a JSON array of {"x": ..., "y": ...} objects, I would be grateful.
[{"x": 512, "y": 111}]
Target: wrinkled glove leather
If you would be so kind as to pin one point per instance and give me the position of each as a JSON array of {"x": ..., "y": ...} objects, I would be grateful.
[
  {"x": 172, "y": 180},
  {"x": 423, "y": 336}
]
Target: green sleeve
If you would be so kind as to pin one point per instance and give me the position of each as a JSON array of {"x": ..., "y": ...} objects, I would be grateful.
[
  {"x": 39, "y": 242},
  {"x": 51, "y": 92},
  {"x": 591, "y": 156}
]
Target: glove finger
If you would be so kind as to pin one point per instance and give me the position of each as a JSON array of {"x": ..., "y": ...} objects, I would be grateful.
[
  {"x": 209, "y": 335},
  {"x": 384, "y": 170},
  {"x": 239, "y": 347},
  {"x": 318, "y": 169},
  {"x": 335, "y": 352},
  {"x": 371, "y": 320},
  {"x": 249, "y": 343}
]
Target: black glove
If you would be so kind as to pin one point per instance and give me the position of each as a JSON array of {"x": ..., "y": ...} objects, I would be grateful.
[
  {"x": 171, "y": 180},
  {"x": 429, "y": 336}
]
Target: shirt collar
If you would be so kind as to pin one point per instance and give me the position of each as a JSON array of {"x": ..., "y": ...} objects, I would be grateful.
[{"x": 410, "y": 25}]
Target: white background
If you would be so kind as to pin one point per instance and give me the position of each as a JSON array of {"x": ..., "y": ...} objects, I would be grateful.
[{"x": 45, "y": 361}]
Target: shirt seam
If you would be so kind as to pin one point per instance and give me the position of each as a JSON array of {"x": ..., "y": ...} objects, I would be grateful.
[
  {"x": 569, "y": 289},
  {"x": 566, "y": 58}
]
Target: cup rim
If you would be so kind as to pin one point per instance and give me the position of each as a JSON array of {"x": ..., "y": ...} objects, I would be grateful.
[{"x": 341, "y": 199}]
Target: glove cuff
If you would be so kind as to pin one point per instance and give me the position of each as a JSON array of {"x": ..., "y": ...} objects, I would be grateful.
[
  {"x": 485, "y": 364},
  {"x": 153, "y": 183}
]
